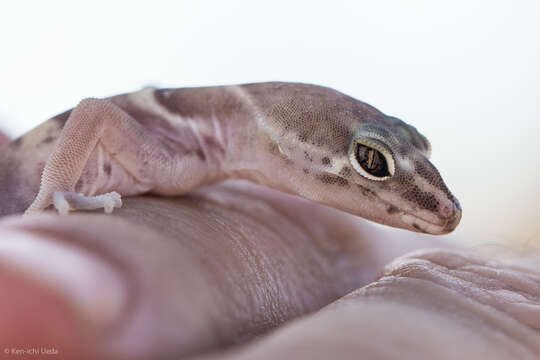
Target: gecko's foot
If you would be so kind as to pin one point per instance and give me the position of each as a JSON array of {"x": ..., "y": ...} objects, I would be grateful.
[{"x": 66, "y": 201}]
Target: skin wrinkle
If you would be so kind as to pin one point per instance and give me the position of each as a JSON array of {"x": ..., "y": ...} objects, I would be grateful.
[
  {"x": 259, "y": 268},
  {"x": 491, "y": 284},
  {"x": 476, "y": 285},
  {"x": 261, "y": 288},
  {"x": 499, "y": 324},
  {"x": 530, "y": 282},
  {"x": 520, "y": 277},
  {"x": 303, "y": 214},
  {"x": 371, "y": 322},
  {"x": 324, "y": 251},
  {"x": 295, "y": 230},
  {"x": 241, "y": 308}
]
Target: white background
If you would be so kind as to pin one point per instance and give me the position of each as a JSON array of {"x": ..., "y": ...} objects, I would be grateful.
[{"x": 465, "y": 73}]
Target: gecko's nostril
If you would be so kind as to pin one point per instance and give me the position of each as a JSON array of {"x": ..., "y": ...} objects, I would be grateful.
[
  {"x": 452, "y": 214},
  {"x": 449, "y": 210}
]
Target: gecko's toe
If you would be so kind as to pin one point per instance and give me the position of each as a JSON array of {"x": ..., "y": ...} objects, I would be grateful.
[
  {"x": 112, "y": 200},
  {"x": 116, "y": 198},
  {"x": 60, "y": 203},
  {"x": 66, "y": 201},
  {"x": 108, "y": 207}
]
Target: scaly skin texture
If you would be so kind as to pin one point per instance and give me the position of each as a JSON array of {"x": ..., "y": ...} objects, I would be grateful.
[{"x": 297, "y": 138}]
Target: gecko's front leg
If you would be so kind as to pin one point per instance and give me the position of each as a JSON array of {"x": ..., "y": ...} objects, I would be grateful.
[{"x": 105, "y": 145}]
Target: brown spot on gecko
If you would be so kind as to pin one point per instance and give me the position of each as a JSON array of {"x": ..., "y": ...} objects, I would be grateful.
[
  {"x": 145, "y": 117},
  {"x": 306, "y": 171},
  {"x": 333, "y": 179},
  {"x": 49, "y": 139},
  {"x": 345, "y": 171},
  {"x": 424, "y": 199},
  {"x": 418, "y": 228},
  {"x": 342, "y": 182},
  {"x": 307, "y": 156},
  {"x": 365, "y": 191},
  {"x": 326, "y": 161},
  {"x": 107, "y": 168},
  {"x": 392, "y": 209},
  {"x": 203, "y": 103},
  {"x": 273, "y": 148}
]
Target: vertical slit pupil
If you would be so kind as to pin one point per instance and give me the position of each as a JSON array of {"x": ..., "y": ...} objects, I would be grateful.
[{"x": 372, "y": 161}]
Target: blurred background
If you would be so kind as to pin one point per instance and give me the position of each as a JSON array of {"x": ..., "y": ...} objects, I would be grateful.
[{"x": 465, "y": 73}]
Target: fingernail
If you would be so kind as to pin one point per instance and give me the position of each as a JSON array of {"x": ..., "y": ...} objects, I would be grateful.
[{"x": 93, "y": 287}]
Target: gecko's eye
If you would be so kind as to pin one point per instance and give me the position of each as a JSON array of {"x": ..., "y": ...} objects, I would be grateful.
[{"x": 372, "y": 161}]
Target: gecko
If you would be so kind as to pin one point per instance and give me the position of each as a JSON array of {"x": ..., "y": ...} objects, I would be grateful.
[{"x": 303, "y": 139}]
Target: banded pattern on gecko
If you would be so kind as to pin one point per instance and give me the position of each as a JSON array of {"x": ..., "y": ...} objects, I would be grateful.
[{"x": 302, "y": 139}]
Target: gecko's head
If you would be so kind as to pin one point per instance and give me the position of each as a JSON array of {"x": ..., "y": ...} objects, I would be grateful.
[
  {"x": 349, "y": 155},
  {"x": 392, "y": 173}
]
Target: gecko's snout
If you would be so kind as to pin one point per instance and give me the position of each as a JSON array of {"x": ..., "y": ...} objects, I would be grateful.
[
  {"x": 444, "y": 221},
  {"x": 450, "y": 210},
  {"x": 452, "y": 214}
]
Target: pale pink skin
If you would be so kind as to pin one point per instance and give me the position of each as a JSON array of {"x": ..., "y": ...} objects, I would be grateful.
[{"x": 197, "y": 280}]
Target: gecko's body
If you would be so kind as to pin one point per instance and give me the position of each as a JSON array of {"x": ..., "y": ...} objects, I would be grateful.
[{"x": 302, "y": 139}]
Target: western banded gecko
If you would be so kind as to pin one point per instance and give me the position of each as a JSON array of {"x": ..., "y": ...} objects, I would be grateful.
[{"x": 302, "y": 139}]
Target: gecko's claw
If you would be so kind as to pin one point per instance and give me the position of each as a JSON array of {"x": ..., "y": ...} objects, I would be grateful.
[{"x": 66, "y": 201}]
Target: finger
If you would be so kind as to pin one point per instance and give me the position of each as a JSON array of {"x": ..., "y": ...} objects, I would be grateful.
[
  {"x": 432, "y": 304},
  {"x": 46, "y": 327},
  {"x": 194, "y": 273}
]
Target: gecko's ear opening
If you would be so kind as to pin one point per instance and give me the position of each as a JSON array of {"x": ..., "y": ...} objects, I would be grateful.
[{"x": 410, "y": 133}]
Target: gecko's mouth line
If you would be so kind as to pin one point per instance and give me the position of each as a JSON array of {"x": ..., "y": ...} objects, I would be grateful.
[
  {"x": 415, "y": 222},
  {"x": 422, "y": 225}
]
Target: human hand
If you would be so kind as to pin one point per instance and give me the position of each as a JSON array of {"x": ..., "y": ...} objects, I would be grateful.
[{"x": 168, "y": 278}]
